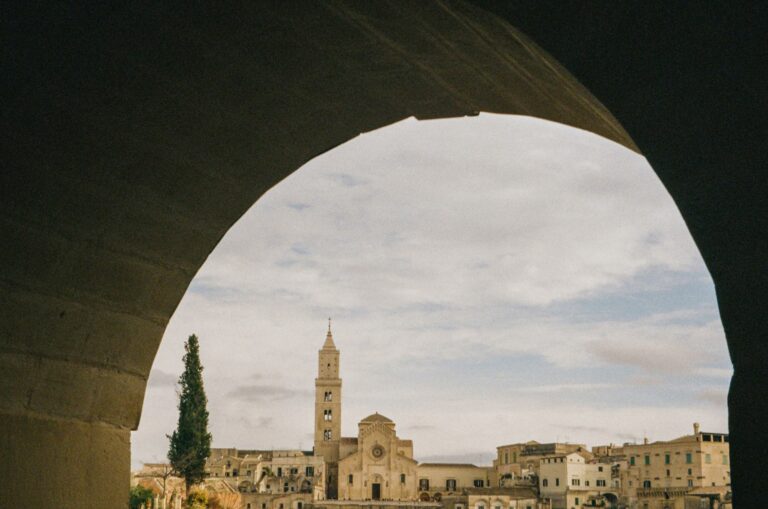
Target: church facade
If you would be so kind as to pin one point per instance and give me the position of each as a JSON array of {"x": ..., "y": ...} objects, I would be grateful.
[{"x": 374, "y": 465}]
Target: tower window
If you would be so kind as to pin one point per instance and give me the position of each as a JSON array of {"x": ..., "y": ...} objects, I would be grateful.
[
  {"x": 328, "y": 396},
  {"x": 327, "y": 435},
  {"x": 327, "y": 415}
]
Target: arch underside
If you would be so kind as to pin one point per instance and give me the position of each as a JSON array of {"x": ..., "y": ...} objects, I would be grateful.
[{"x": 136, "y": 137}]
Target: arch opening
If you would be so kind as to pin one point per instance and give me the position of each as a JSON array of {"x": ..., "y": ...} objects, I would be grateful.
[{"x": 411, "y": 217}]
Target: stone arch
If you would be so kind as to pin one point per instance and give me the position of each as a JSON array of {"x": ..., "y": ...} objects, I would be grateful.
[
  {"x": 130, "y": 158},
  {"x": 482, "y": 504}
]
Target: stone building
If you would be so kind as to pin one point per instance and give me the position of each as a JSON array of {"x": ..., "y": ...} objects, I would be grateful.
[
  {"x": 569, "y": 482},
  {"x": 495, "y": 498},
  {"x": 377, "y": 465},
  {"x": 436, "y": 480},
  {"x": 280, "y": 479},
  {"x": 685, "y": 470},
  {"x": 521, "y": 460}
]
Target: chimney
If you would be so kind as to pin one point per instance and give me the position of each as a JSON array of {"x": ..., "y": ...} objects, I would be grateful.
[
  {"x": 695, "y": 428},
  {"x": 645, "y": 440}
]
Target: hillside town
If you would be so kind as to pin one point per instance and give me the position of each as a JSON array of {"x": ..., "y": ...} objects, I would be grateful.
[{"x": 376, "y": 469}]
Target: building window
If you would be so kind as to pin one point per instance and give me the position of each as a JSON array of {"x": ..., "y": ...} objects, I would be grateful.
[
  {"x": 725, "y": 459},
  {"x": 586, "y": 483},
  {"x": 599, "y": 469},
  {"x": 647, "y": 459},
  {"x": 600, "y": 482},
  {"x": 690, "y": 483},
  {"x": 285, "y": 487},
  {"x": 688, "y": 458},
  {"x": 450, "y": 485},
  {"x": 309, "y": 471},
  {"x": 424, "y": 484},
  {"x": 557, "y": 481},
  {"x": 646, "y": 484},
  {"x": 575, "y": 482},
  {"x": 279, "y": 471},
  {"x": 667, "y": 459},
  {"x": 632, "y": 460},
  {"x": 577, "y": 500},
  {"x": 478, "y": 483},
  {"x": 327, "y": 415},
  {"x": 350, "y": 479},
  {"x": 707, "y": 458},
  {"x": 506, "y": 458},
  {"x": 545, "y": 483},
  {"x": 690, "y": 471},
  {"x": 402, "y": 478},
  {"x": 668, "y": 473},
  {"x": 248, "y": 505},
  {"x": 327, "y": 435}
]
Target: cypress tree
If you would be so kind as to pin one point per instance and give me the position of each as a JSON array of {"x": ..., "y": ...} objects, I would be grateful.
[{"x": 191, "y": 443}]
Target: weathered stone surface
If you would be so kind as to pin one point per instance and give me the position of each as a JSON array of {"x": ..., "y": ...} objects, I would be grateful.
[
  {"x": 135, "y": 136},
  {"x": 50, "y": 463}
]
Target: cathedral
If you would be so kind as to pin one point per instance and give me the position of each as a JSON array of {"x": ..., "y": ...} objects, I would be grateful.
[{"x": 375, "y": 464}]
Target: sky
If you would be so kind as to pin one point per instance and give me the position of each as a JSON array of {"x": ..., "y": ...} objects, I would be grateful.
[{"x": 491, "y": 279}]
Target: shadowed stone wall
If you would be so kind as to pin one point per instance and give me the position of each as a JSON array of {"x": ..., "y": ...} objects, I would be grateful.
[{"x": 134, "y": 137}]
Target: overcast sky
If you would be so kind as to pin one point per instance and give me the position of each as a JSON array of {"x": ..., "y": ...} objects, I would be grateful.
[{"x": 491, "y": 280}]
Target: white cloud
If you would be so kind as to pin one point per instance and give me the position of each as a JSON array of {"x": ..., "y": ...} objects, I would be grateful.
[{"x": 453, "y": 255}]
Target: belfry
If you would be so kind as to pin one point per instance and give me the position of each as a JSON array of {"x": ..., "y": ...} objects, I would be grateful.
[{"x": 328, "y": 411}]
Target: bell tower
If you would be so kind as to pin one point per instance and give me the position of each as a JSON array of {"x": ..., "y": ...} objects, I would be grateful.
[{"x": 328, "y": 411}]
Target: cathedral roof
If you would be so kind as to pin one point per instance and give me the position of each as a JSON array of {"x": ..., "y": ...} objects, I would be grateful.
[{"x": 377, "y": 417}]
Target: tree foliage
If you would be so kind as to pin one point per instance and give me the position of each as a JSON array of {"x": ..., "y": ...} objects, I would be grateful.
[
  {"x": 140, "y": 495},
  {"x": 190, "y": 444},
  {"x": 197, "y": 499}
]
